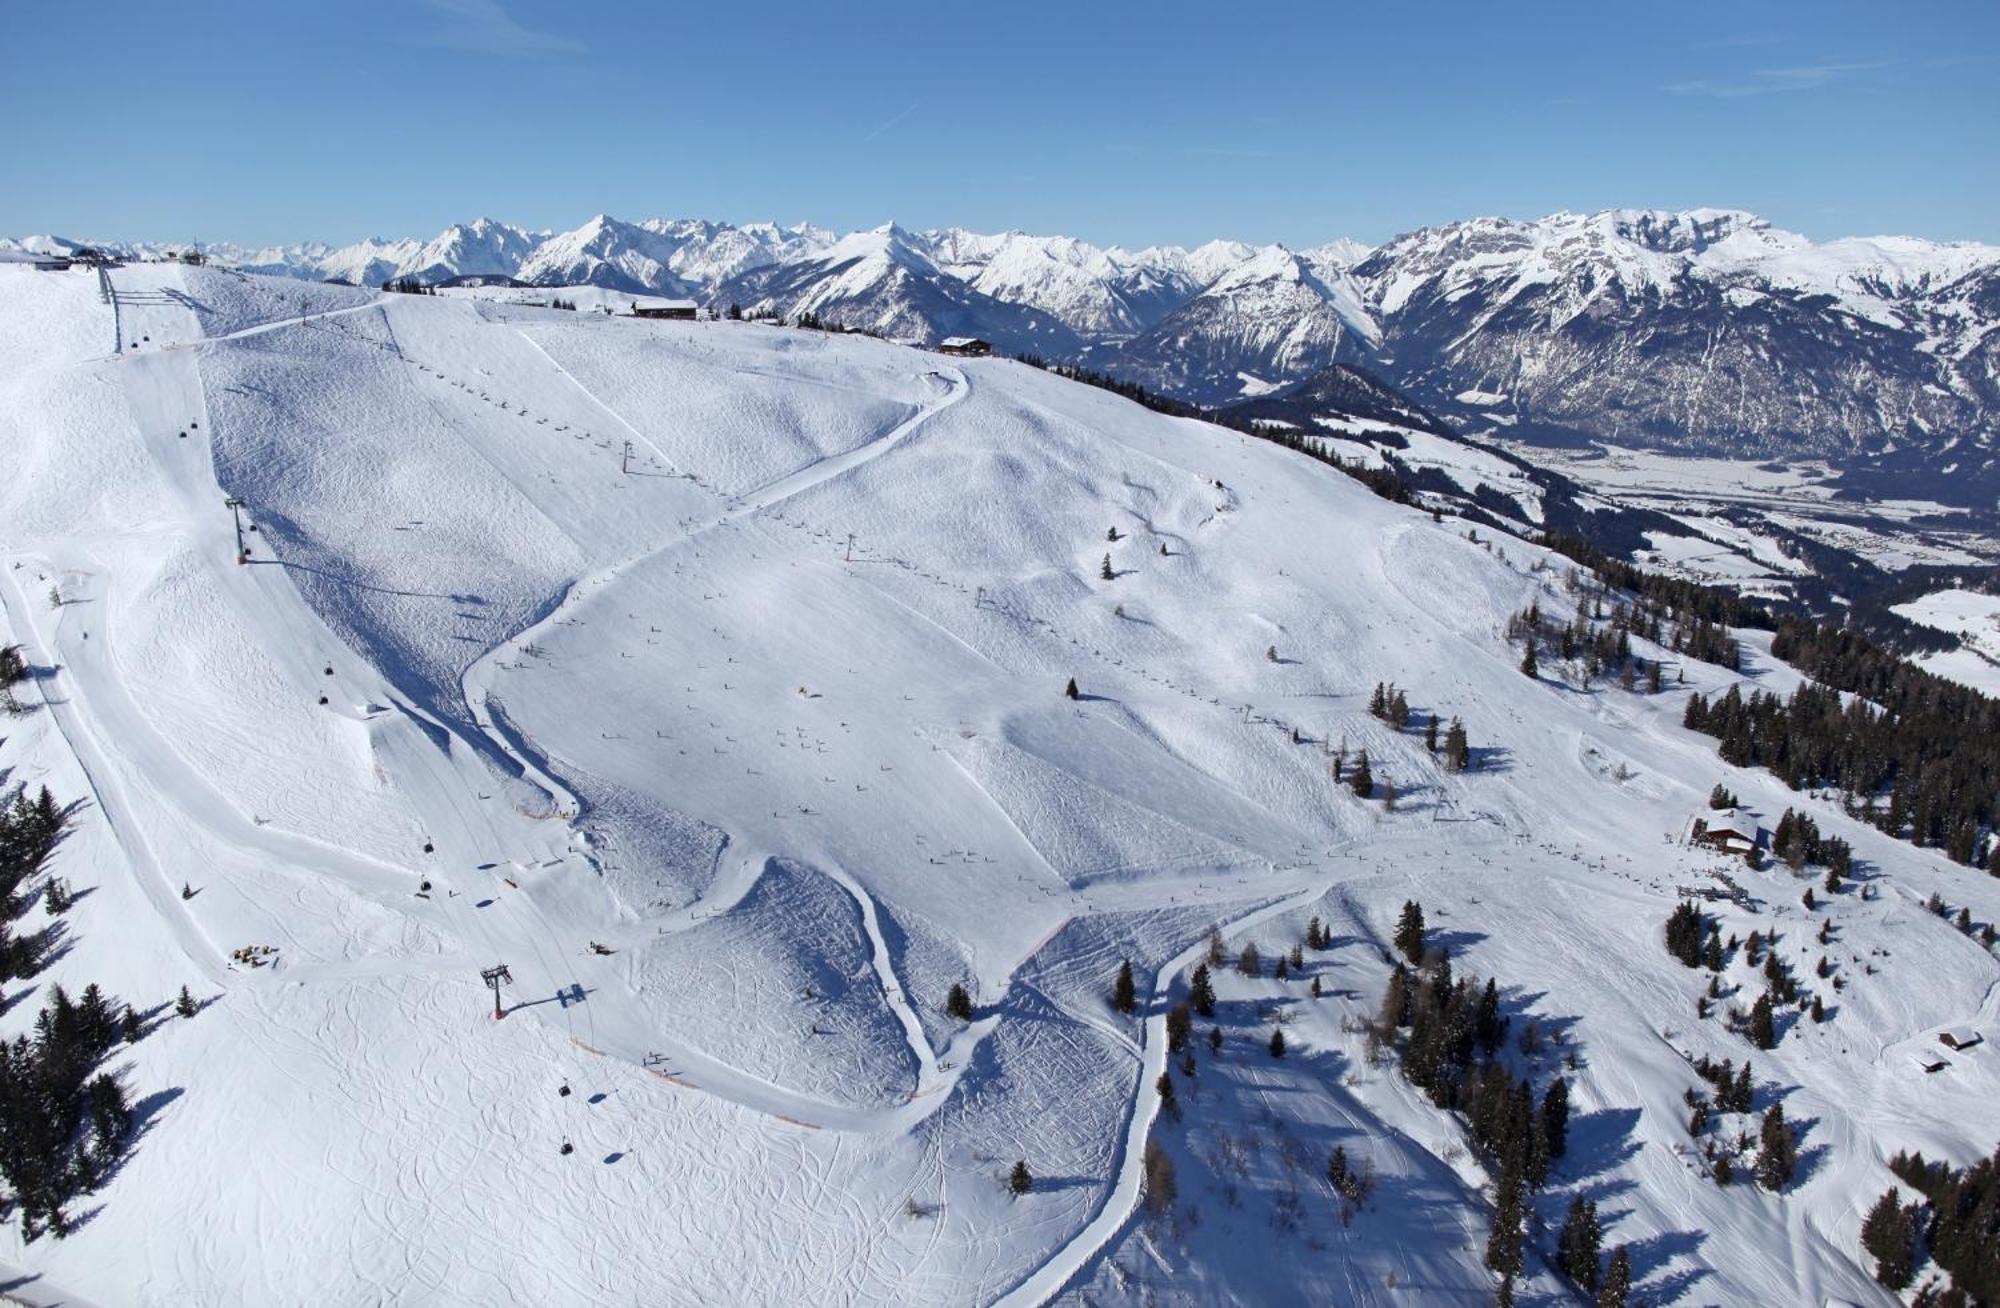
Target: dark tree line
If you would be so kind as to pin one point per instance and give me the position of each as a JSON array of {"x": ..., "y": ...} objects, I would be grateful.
[
  {"x": 1689, "y": 601},
  {"x": 1599, "y": 640},
  {"x": 1916, "y": 755},
  {"x": 1386, "y": 481},
  {"x": 1959, "y": 1222},
  {"x": 1924, "y": 772},
  {"x": 1449, "y": 1032},
  {"x": 63, "y": 1123}
]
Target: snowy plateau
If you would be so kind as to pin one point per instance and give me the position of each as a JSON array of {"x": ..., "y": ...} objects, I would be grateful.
[{"x": 710, "y": 676}]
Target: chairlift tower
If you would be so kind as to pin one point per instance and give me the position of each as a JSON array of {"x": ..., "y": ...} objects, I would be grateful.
[
  {"x": 497, "y": 977},
  {"x": 235, "y": 506}
]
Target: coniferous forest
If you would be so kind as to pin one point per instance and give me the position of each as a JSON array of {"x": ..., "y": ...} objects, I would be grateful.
[{"x": 64, "y": 1121}]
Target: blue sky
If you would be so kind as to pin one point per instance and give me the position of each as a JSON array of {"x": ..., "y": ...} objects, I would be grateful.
[{"x": 1128, "y": 123}]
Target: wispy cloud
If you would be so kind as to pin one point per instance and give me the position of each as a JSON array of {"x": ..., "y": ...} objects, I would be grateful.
[
  {"x": 880, "y": 128},
  {"x": 484, "y": 27},
  {"x": 1776, "y": 81}
]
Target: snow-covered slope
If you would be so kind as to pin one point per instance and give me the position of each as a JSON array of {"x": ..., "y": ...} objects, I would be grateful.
[
  {"x": 1706, "y": 330},
  {"x": 1271, "y": 320},
  {"x": 882, "y": 282},
  {"x": 738, "y": 651}
]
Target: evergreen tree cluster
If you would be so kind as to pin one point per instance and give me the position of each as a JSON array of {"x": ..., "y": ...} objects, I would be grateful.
[
  {"x": 13, "y": 671},
  {"x": 1689, "y": 933},
  {"x": 1937, "y": 759},
  {"x": 1599, "y": 642},
  {"x": 29, "y": 829},
  {"x": 1889, "y": 1234},
  {"x": 1798, "y": 842},
  {"x": 1961, "y": 1221},
  {"x": 1734, "y": 1088},
  {"x": 1455, "y": 1031},
  {"x": 1689, "y": 606},
  {"x": 63, "y": 1124},
  {"x": 1388, "y": 704},
  {"x": 1927, "y": 744}
]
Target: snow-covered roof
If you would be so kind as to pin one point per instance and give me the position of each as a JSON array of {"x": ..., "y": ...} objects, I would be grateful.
[{"x": 950, "y": 341}]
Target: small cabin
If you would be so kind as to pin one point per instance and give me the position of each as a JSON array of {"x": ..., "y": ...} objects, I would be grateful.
[
  {"x": 1928, "y": 1062},
  {"x": 1728, "y": 833},
  {"x": 682, "y": 310},
  {"x": 193, "y": 258},
  {"x": 1959, "y": 1037},
  {"x": 92, "y": 256},
  {"x": 970, "y": 347}
]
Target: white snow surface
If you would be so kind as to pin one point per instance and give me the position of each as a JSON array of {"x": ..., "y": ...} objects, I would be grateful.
[{"x": 737, "y": 651}]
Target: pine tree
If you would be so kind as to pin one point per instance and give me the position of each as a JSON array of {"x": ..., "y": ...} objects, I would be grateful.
[
  {"x": 1020, "y": 1180},
  {"x": 1488, "y": 1029},
  {"x": 1105, "y": 573},
  {"x": 132, "y": 1028},
  {"x": 1180, "y": 1025},
  {"x": 1410, "y": 931},
  {"x": 185, "y": 1005},
  {"x": 1763, "y": 1033},
  {"x": 1201, "y": 991},
  {"x": 1270, "y": 653},
  {"x": 1168, "y": 1104},
  {"x": 1431, "y": 734},
  {"x": 1555, "y": 1118},
  {"x": 1503, "y": 1242},
  {"x": 1777, "y": 1155},
  {"x": 1890, "y": 1235},
  {"x": 1577, "y": 1244},
  {"x": 1616, "y": 1291},
  {"x": 1124, "y": 995},
  {"x": 1215, "y": 1040},
  {"x": 1363, "y": 782},
  {"x": 1457, "y": 753},
  {"x": 1277, "y": 1045},
  {"x": 1161, "y": 1185},
  {"x": 958, "y": 1003},
  {"x": 1336, "y": 1168},
  {"x": 1250, "y": 962},
  {"x": 1529, "y": 667}
]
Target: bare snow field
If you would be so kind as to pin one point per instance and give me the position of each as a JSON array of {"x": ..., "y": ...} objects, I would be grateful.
[
  {"x": 1975, "y": 619},
  {"x": 709, "y": 675}
]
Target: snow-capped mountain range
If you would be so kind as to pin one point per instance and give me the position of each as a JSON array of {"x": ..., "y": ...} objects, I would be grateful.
[{"x": 1705, "y": 330}]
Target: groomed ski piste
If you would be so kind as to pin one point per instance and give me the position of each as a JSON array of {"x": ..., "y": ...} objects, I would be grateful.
[{"x": 711, "y": 676}]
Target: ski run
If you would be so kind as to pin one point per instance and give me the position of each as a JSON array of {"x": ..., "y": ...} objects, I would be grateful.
[{"x": 710, "y": 677}]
